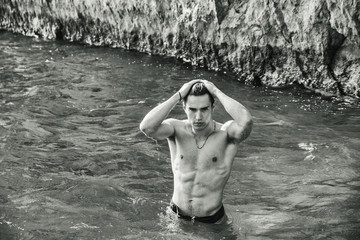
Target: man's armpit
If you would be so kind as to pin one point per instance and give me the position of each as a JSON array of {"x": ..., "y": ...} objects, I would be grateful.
[{"x": 232, "y": 140}]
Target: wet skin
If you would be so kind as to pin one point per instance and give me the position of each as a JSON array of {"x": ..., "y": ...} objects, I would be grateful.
[
  {"x": 202, "y": 150},
  {"x": 200, "y": 175}
]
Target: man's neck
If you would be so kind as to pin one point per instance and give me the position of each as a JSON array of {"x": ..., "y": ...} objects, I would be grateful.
[{"x": 206, "y": 131}]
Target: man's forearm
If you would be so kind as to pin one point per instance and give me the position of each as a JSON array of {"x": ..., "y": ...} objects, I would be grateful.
[
  {"x": 157, "y": 115},
  {"x": 235, "y": 109}
]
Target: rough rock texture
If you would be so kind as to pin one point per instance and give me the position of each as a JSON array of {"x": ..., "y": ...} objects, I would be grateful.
[{"x": 273, "y": 42}]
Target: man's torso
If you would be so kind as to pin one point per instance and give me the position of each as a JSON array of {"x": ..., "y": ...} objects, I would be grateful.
[{"x": 200, "y": 175}]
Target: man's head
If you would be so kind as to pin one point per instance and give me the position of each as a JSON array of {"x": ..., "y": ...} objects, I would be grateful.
[
  {"x": 198, "y": 105},
  {"x": 199, "y": 89}
]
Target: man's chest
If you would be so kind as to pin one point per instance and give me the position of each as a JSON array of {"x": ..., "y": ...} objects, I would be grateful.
[{"x": 191, "y": 157}]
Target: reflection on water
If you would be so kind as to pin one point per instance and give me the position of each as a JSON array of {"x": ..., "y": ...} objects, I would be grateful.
[{"x": 74, "y": 165}]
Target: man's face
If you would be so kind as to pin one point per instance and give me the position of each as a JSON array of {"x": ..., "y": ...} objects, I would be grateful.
[{"x": 199, "y": 111}]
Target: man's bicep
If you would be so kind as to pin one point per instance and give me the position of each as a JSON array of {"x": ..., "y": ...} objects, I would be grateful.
[{"x": 165, "y": 130}]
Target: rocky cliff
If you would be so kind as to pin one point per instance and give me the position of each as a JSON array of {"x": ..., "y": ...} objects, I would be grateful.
[{"x": 273, "y": 42}]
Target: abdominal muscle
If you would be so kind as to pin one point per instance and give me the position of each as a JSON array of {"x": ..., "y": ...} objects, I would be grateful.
[{"x": 198, "y": 193}]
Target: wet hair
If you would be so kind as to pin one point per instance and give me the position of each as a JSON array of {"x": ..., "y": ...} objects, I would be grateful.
[{"x": 199, "y": 89}]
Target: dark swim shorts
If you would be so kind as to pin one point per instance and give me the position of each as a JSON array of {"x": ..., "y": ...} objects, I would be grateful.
[{"x": 209, "y": 219}]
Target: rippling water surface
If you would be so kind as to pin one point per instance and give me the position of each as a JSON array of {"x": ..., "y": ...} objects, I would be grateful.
[{"x": 73, "y": 164}]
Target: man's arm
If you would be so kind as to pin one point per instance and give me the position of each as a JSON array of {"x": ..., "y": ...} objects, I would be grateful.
[
  {"x": 154, "y": 124},
  {"x": 240, "y": 127}
]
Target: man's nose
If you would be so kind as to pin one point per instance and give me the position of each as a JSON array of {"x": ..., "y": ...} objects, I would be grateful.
[{"x": 198, "y": 115}]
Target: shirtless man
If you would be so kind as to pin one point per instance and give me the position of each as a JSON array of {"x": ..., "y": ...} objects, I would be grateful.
[{"x": 202, "y": 150}]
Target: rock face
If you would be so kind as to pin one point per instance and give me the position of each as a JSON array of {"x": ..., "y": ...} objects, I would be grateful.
[{"x": 273, "y": 42}]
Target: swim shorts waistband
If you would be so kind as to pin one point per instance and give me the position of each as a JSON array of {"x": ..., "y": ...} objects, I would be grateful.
[{"x": 208, "y": 219}]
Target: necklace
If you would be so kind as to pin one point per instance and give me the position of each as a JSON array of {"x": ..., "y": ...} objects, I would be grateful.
[{"x": 197, "y": 145}]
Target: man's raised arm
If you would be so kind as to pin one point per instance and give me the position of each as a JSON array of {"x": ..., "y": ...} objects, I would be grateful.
[
  {"x": 238, "y": 129},
  {"x": 154, "y": 124}
]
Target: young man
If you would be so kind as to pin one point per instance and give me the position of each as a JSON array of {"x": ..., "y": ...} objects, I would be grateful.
[{"x": 202, "y": 150}]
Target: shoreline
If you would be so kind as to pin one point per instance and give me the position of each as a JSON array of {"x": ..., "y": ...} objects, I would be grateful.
[{"x": 314, "y": 45}]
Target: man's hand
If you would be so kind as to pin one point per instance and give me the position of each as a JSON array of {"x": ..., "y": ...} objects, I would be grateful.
[
  {"x": 184, "y": 90},
  {"x": 210, "y": 87}
]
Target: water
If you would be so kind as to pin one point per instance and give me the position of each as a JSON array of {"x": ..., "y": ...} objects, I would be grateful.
[{"x": 73, "y": 164}]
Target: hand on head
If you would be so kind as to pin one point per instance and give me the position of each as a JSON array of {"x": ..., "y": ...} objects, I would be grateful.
[
  {"x": 210, "y": 87},
  {"x": 197, "y": 83},
  {"x": 184, "y": 90}
]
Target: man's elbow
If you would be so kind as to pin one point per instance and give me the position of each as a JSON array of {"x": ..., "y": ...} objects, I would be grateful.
[{"x": 146, "y": 129}]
